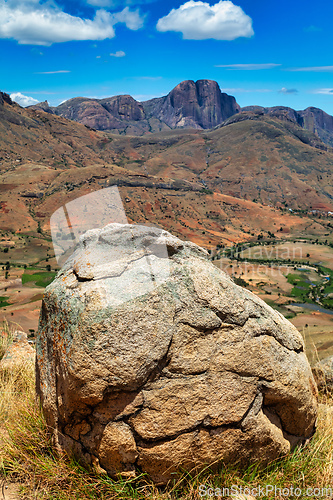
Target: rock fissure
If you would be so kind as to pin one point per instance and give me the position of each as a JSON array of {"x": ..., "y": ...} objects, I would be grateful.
[{"x": 192, "y": 429}]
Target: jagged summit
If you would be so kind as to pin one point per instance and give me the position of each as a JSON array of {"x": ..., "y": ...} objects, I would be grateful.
[
  {"x": 199, "y": 105},
  {"x": 190, "y": 104}
]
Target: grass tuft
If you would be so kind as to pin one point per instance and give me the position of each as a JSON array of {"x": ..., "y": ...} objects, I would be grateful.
[{"x": 6, "y": 337}]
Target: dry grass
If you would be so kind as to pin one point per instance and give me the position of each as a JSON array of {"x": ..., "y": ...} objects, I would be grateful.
[
  {"x": 6, "y": 337},
  {"x": 27, "y": 457}
]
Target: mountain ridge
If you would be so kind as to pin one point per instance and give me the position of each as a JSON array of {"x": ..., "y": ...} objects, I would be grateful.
[
  {"x": 252, "y": 175},
  {"x": 200, "y": 105}
]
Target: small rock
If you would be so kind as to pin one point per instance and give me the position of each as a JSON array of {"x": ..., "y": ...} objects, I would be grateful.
[{"x": 18, "y": 352}]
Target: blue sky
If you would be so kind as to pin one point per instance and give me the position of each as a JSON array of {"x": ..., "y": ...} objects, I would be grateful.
[{"x": 262, "y": 52}]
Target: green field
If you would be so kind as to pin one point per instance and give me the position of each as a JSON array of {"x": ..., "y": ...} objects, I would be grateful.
[
  {"x": 3, "y": 302},
  {"x": 41, "y": 279}
]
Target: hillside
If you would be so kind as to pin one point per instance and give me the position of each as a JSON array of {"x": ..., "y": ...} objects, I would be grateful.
[{"x": 257, "y": 166}]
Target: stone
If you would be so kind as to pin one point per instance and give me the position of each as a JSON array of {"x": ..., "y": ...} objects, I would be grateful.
[
  {"x": 198, "y": 104},
  {"x": 150, "y": 358},
  {"x": 19, "y": 352}
]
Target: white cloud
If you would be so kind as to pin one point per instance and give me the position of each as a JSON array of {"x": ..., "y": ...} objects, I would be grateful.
[
  {"x": 248, "y": 67},
  {"x": 23, "y": 100},
  {"x": 119, "y": 53},
  {"x": 328, "y": 69},
  {"x": 323, "y": 91},
  {"x": 131, "y": 18},
  {"x": 198, "y": 20},
  {"x": 284, "y": 90},
  {"x": 30, "y": 22},
  {"x": 52, "y": 72}
]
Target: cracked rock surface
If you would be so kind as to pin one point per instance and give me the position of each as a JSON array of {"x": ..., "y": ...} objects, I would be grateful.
[{"x": 150, "y": 359}]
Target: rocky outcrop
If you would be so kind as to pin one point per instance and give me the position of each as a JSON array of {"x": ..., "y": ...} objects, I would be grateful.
[
  {"x": 5, "y": 98},
  {"x": 320, "y": 123},
  {"x": 90, "y": 112},
  {"x": 198, "y": 104},
  {"x": 314, "y": 120},
  {"x": 150, "y": 357},
  {"x": 124, "y": 107},
  {"x": 190, "y": 104},
  {"x": 102, "y": 114},
  {"x": 43, "y": 106}
]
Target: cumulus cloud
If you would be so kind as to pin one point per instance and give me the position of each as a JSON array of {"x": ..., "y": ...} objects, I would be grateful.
[
  {"x": 288, "y": 91},
  {"x": 119, "y": 53},
  {"x": 248, "y": 67},
  {"x": 30, "y": 22},
  {"x": 198, "y": 20},
  {"x": 23, "y": 100}
]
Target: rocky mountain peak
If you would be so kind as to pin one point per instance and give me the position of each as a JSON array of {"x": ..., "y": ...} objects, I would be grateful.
[
  {"x": 43, "y": 106},
  {"x": 124, "y": 107},
  {"x": 198, "y": 104}
]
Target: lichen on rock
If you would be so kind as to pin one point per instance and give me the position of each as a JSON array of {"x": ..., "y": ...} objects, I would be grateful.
[{"x": 149, "y": 357}]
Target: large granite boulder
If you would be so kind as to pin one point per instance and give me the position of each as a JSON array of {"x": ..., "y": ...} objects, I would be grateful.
[{"x": 150, "y": 357}]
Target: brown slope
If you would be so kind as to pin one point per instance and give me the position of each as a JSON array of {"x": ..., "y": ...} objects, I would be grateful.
[
  {"x": 181, "y": 208},
  {"x": 250, "y": 156},
  {"x": 312, "y": 119},
  {"x": 48, "y": 160},
  {"x": 35, "y": 135}
]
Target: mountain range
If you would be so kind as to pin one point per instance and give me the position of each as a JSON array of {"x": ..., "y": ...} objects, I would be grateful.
[
  {"x": 200, "y": 105},
  {"x": 255, "y": 173}
]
